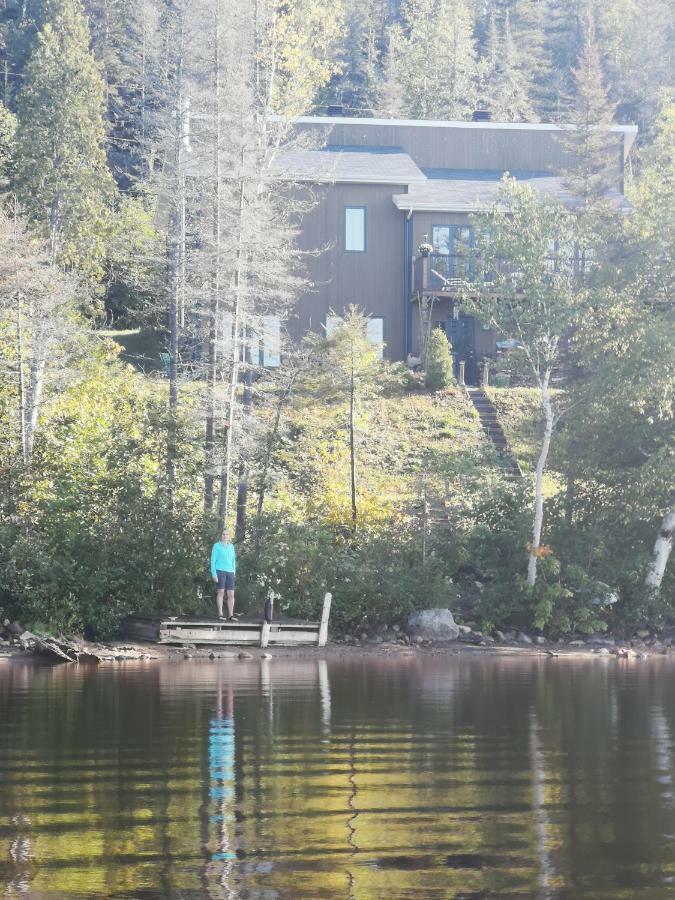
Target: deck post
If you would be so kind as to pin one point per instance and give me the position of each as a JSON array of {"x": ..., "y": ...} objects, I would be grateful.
[
  {"x": 264, "y": 634},
  {"x": 323, "y": 624},
  {"x": 461, "y": 380}
]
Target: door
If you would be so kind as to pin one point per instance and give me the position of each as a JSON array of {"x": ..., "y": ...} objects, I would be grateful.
[{"x": 461, "y": 332}]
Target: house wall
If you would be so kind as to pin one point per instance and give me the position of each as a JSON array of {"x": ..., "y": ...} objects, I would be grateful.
[
  {"x": 373, "y": 280},
  {"x": 469, "y": 146}
]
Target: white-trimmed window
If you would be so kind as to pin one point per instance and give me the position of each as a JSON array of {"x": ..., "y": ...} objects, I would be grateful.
[
  {"x": 375, "y": 333},
  {"x": 332, "y": 325},
  {"x": 355, "y": 229},
  {"x": 271, "y": 342}
]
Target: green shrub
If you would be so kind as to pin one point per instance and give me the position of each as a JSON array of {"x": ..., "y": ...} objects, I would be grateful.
[{"x": 439, "y": 362}]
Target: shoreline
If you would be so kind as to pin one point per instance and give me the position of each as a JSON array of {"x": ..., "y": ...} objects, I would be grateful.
[{"x": 142, "y": 651}]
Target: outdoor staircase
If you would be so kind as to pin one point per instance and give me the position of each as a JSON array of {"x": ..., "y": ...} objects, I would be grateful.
[{"x": 490, "y": 424}]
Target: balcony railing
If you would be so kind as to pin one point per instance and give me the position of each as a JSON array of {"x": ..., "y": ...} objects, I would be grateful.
[
  {"x": 441, "y": 273},
  {"x": 448, "y": 274}
]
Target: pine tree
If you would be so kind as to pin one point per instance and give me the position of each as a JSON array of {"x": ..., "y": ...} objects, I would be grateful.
[
  {"x": 432, "y": 63},
  {"x": 61, "y": 173},
  {"x": 637, "y": 39},
  {"x": 7, "y": 132},
  {"x": 563, "y": 40},
  {"x": 505, "y": 85},
  {"x": 355, "y": 86},
  {"x": 590, "y": 144}
]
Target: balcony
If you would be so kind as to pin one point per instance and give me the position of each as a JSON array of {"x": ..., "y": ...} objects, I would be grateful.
[
  {"x": 446, "y": 275},
  {"x": 441, "y": 274}
]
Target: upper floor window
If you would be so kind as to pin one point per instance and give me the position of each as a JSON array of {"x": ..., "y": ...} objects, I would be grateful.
[
  {"x": 455, "y": 242},
  {"x": 355, "y": 229}
]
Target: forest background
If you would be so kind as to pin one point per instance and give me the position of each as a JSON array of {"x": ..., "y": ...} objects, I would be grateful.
[{"x": 146, "y": 234}]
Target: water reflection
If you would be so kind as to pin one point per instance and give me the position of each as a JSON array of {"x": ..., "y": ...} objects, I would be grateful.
[{"x": 349, "y": 779}]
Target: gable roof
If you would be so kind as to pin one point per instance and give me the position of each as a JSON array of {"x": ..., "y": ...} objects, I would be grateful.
[{"x": 372, "y": 165}]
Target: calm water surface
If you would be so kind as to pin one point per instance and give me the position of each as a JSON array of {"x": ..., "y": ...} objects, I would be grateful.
[{"x": 425, "y": 778}]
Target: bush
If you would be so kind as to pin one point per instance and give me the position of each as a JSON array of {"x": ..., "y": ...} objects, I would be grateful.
[{"x": 439, "y": 373}]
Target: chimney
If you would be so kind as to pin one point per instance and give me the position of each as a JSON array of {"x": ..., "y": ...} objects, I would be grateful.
[{"x": 481, "y": 115}]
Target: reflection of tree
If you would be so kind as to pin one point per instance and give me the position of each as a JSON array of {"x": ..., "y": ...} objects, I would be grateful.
[
  {"x": 546, "y": 868},
  {"x": 351, "y": 803}
]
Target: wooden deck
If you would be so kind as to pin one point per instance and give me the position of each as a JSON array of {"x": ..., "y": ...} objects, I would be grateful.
[{"x": 245, "y": 632}]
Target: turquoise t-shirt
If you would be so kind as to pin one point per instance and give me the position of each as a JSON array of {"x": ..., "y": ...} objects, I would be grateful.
[{"x": 222, "y": 558}]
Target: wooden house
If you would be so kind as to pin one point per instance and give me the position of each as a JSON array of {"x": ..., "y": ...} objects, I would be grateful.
[{"x": 383, "y": 188}]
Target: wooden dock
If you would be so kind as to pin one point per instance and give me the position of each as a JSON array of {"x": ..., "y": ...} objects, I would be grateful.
[{"x": 245, "y": 632}]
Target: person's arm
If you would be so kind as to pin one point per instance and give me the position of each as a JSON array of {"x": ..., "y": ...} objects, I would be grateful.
[
  {"x": 234, "y": 559},
  {"x": 213, "y": 561}
]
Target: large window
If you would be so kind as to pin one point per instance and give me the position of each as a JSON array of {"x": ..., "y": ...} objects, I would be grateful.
[
  {"x": 375, "y": 333},
  {"x": 271, "y": 342},
  {"x": 455, "y": 242},
  {"x": 374, "y": 330},
  {"x": 355, "y": 229}
]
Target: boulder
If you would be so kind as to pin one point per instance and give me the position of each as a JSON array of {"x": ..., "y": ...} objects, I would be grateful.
[
  {"x": 464, "y": 629},
  {"x": 540, "y": 640},
  {"x": 434, "y": 625},
  {"x": 524, "y": 638},
  {"x": 499, "y": 635},
  {"x": 603, "y": 639}
]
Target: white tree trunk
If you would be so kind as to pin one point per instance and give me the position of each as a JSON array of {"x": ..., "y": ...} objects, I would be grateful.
[
  {"x": 539, "y": 479},
  {"x": 662, "y": 550}
]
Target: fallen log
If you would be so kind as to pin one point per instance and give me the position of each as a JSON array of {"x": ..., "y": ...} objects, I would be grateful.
[{"x": 60, "y": 648}]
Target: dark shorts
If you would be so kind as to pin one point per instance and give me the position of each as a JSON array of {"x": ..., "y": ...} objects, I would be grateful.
[{"x": 225, "y": 580}]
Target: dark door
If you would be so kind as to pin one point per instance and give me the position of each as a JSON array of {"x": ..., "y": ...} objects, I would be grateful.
[{"x": 461, "y": 332}]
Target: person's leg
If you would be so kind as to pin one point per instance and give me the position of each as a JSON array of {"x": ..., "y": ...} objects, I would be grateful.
[
  {"x": 220, "y": 593},
  {"x": 230, "y": 603}
]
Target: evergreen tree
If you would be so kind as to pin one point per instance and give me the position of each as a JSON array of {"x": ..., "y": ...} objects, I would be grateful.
[
  {"x": 355, "y": 86},
  {"x": 637, "y": 39},
  {"x": 505, "y": 85},
  {"x": 432, "y": 62},
  {"x": 438, "y": 373},
  {"x": 7, "y": 132},
  {"x": 592, "y": 147},
  {"x": 563, "y": 39},
  {"x": 61, "y": 174}
]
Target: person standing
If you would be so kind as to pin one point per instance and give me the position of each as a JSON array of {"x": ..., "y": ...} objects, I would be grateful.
[{"x": 223, "y": 568}]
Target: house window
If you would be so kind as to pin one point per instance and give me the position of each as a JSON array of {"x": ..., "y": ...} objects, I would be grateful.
[
  {"x": 375, "y": 333},
  {"x": 271, "y": 342},
  {"x": 455, "y": 242},
  {"x": 355, "y": 229},
  {"x": 332, "y": 325}
]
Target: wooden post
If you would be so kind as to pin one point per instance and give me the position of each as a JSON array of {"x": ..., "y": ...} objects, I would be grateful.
[
  {"x": 323, "y": 624},
  {"x": 485, "y": 379},
  {"x": 462, "y": 365},
  {"x": 265, "y": 634}
]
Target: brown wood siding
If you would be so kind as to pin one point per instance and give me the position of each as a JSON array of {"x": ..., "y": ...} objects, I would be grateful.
[
  {"x": 372, "y": 280},
  {"x": 502, "y": 149},
  {"x": 423, "y": 221}
]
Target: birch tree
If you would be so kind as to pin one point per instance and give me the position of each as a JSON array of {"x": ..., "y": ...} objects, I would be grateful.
[
  {"x": 530, "y": 288},
  {"x": 38, "y": 323}
]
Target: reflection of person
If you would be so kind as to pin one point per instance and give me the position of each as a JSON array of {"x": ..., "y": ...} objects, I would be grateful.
[
  {"x": 221, "y": 771},
  {"x": 223, "y": 568}
]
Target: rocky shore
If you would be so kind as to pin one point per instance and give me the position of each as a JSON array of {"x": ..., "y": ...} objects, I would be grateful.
[{"x": 381, "y": 641}]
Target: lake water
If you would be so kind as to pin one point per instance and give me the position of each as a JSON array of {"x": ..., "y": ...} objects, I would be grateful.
[{"x": 372, "y": 778}]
